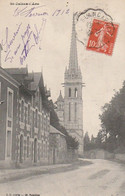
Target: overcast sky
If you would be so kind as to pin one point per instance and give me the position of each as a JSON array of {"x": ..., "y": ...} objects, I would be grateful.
[{"x": 50, "y": 53}]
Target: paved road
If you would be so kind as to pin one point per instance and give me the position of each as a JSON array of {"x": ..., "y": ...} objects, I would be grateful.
[{"x": 102, "y": 178}]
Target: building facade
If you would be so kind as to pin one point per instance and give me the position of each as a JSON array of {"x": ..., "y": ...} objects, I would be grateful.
[
  {"x": 60, "y": 108},
  {"x": 9, "y": 89},
  {"x": 73, "y": 103},
  {"x": 24, "y": 118},
  {"x": 58, "y": 146}
]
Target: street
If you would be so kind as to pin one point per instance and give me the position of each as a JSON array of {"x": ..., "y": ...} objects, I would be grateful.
[{"x": 102, "y": 178}]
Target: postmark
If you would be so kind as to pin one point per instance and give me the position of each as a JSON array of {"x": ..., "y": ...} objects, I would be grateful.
[
  {"x": 102, "y": 36},
  {"x": 84, "y": 21}
]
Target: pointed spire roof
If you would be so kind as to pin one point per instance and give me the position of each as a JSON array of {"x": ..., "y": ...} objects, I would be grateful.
[
  {"x": 73, "y": 61},
  {"x": 73, "y": 72},
  {"x": 60, "y": 98}
]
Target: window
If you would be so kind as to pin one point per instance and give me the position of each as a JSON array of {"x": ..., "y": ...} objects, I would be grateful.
[
  {"x": 9, "y": 123},
  {"x": 69, "y": 111},
  {"x": 25, "y": 149},
  {"x": 10, "y": 104},
  {"x": 40, "y": 102},
  {"x": 19, "y": 110},
  {"x": 36, "y": 120},
  {"x": 76, "y": 92},
  {"x": 39, "y": 123},
  {"x": 28, "y": 143},
  {"x": 8, "y": 143},
  {"x": 21, "y": 149},
  {"x": 33, "y": 121},
  {"x": 28, "y": 114},
  {"x": 69, "y": 92},
  {"x": 22, "y": 111},
  {"x": 42, "y": 149},
  {"x": 32, "y": 150},
  {"x": 75, "y": 111},
  {"x": 38, "y": 151}
]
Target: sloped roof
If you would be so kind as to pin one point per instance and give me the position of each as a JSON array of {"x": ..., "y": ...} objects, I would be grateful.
[
  {"x": 5, "y": 73},
  {"x": 33, "y": 80},
  {"x": 22, "y": 70},
  {"x": 55, "y": 131},
  {"x": 60, "y": 98},
  {"x": 36, "y": 79}
]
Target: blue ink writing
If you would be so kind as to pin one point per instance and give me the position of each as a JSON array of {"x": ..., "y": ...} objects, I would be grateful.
[
  {"x": 9, "y": 57},
  {"x": 17, "y": 49},
  {"x": 30, "y": 39},
  {"x": 58, "y": 12},
  {"x": 8, "y": 43},
  {"x": 26, "y": 12}
]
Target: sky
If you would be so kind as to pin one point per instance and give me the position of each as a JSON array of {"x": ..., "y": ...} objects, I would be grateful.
[{"x": 49, "y": 49}]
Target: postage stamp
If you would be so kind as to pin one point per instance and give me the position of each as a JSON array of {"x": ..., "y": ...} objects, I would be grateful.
[
  {"x": 102, "y": 36},
  {"x": 84, "y": 21}
]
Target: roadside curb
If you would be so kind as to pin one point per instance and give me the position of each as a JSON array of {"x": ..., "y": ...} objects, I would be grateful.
[
  {"x": 19, "y": 174},
  {"x": 25, "y": 173}
]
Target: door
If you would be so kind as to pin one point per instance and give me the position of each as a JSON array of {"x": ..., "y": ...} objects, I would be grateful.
[
  {"x": 35, "y": 150},
  {"x": 21, "y": 149},
  {"x": 54, "y": 156}
]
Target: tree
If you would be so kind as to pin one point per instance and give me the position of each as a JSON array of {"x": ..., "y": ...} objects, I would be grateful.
[
  {"x": 113, "y": 120},
  {"x": 72, "y": 143},
  {"x": 86, "y": 141}
]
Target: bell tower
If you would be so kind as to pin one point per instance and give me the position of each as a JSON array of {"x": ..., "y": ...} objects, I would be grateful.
[{"x": 73, "y": 104}]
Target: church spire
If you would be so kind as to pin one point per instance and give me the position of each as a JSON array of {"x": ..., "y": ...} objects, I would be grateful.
[
  {"x": 73, "y": 61},
  {"x": 60, "y": 98}
]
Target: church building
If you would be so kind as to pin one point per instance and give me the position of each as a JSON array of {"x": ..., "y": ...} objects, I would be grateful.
[{"x": 70, "y": 108}]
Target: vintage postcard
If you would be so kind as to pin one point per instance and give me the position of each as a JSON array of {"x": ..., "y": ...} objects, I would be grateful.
[{"x": 62, "y": 98}]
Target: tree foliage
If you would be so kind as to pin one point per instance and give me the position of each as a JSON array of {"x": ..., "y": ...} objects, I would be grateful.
[
  {"x": 86, "y": 141},
  {"x": 113, "y": 121},
  {"x": 92, "y": 143}
]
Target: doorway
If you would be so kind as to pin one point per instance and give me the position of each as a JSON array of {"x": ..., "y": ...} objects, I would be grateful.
[
  {"x": 21, "y": 149},
  {"x": 35, "y": 150}
]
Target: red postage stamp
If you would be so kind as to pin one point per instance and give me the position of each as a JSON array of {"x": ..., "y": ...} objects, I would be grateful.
[{"x": 102, "y": 36}]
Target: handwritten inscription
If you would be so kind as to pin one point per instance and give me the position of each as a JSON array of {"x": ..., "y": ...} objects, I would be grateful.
[
  {"x": 29, "y": 38},
  {"x": 38, "y": 11},
  {"x": 7, "y": 42},
  {"x": 58, "y": 12},
  {"x": 26, "y": 12},
  {"x": 18, "y": 44}
]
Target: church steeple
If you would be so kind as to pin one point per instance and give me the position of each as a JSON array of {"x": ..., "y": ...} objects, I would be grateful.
[
  {"x": 73, "y": 61},
  {"x": 73, "y": 104},
  {"x": 73, "y": 69},
  {"x": 60, "y": 98}
]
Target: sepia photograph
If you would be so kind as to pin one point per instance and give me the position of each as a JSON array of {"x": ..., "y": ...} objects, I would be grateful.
[{"x": 62, "y": 98}]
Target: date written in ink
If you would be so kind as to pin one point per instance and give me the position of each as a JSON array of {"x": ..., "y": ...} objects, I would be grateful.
[{"x": 60, "y": 12}]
